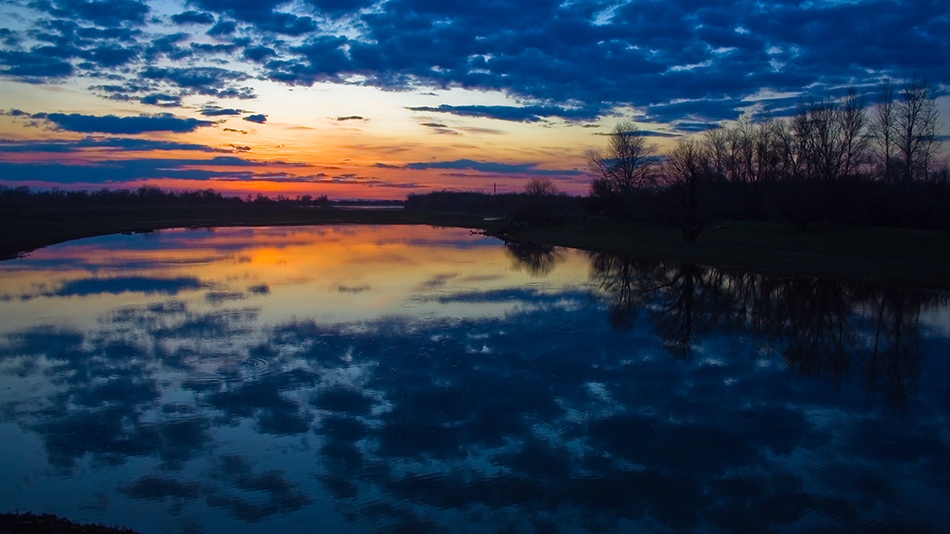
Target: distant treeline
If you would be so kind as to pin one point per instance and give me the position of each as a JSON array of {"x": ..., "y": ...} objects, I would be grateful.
[
  {"x": 23, "y": 198},
  {"x": 539, "y": 205}
]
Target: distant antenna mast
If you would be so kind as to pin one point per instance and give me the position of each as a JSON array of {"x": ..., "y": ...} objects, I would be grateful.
[{"x": 494, "y": 189}]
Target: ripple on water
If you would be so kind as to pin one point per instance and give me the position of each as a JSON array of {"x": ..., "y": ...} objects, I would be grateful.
[{"x": 259, "y": 366}]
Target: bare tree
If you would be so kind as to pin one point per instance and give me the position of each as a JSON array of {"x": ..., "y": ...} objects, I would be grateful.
[
  {"x": 540, "y": 186},
  {"x": 716, "y": 145},
  {"x": 854, "y": 128},
  {"x": 769, "y": 154},
  {"x": 819, "y": 131},
  {"x": 741, "y": 152},
  {"x": 916, "y": 122},
  {"x": 688, "y": 169},
  {"x": 624, "y": 168},
  {"x": 883, "y": 131}
]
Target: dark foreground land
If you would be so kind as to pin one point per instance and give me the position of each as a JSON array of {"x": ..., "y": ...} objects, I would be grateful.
[
  {"x": 893, "y": 257},
  {"x": 50, "y": 524}
]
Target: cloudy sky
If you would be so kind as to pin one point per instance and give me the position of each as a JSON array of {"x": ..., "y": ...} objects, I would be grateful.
[{"x": 379, "y": 99}]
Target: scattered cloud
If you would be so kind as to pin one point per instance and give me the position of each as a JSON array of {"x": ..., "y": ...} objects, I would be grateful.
[
  {"x": 98, "y": 12},
  {"x": 193, "y": 17},
  {"x": 645, "y": 133},
  {"x": 111, "y": 124},
  {"x": 489, "y": 167},
  {"x": 258, "y": 118},
  {"x": 216, "y": 111},
  {"x": 516, "y": 113},
  {"x": 110, "y": 144},
  {"x": 674, "y": 60},
  {"x": 209, "y": 81},
  {"x": 685, "y": 126},
  {"x": 138, "y": 169},
  {"x": 222, "y": 28}
]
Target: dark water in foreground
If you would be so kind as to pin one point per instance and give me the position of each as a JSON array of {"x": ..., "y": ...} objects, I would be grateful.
[{"x": 412, "y": 379}]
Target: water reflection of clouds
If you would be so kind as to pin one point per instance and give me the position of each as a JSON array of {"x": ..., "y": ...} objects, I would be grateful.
[
  {"x": 447, "y": 404},
  {"x": 542, "y": 415}
]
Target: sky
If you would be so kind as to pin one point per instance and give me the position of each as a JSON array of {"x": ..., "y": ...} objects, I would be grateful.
[{"x": 380, "y": 99}]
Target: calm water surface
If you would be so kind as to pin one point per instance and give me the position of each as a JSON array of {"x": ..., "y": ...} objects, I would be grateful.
[{"x": 414, "y": 379}]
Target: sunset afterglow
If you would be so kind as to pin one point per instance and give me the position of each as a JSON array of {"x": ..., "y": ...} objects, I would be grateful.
[{"x": 367, "y": 99}]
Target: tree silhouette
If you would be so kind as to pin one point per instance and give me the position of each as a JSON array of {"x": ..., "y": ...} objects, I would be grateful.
[{"x": 626, "y": 167}]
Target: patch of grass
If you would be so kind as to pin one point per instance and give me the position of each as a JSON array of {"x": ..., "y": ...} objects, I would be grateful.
[{"x": 893, "y": 257}]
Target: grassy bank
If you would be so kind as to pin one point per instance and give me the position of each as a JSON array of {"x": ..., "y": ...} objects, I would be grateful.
[
  {"x": 893, "y": 257},
  {"x": 880, "y": 256}
]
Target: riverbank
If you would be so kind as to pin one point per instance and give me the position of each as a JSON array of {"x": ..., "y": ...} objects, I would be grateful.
[{"x": 892, "y": 257}]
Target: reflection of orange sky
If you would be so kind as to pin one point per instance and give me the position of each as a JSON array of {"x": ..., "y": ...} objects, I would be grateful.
[{"x": 338, "y": 273}]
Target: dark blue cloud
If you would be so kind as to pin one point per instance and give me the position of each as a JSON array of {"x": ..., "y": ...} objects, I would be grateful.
[
  {"x": 32, "y": 65},
  {"x": 131, "y": 170},
  {"x": 211, "y": 81},
  {"x": 111, "y": 124},
  {"x": 259, "y": 118},
  {"x": 193, "y": 17},
  {"x": 340, "y": 7},
  {"x": 653, "y": 133},
  {"x": 287, "y": 24},
  {"x": 209, "y": 50},
  {"x": 99, "y": 12},
  {"x": 223, "y": 27},
  {"x": 685, "y": 126},
  {"x": 489, "y": 166},
  {"x": 114, "y": 173},
  {"x": 110, "y": 56},
  {"x": 517, "y": 113},
  {"x": 677, "y": 60},
  {"x": 258, "y": 53},
  {"x": 261, "y": 15},
  {"x": 167, "y": 45},
  {"x": 320, "y": 59},
  {"x": 161, "y": 100},
  {"x": 134, "y": 284},
  {"x": 697, "y": 110},
  {"x": 215, "y": 112},
  {"x": 9, "y": 37},
  {"x": 111, "y": 144},
  {"x": 248, "y": 10}
]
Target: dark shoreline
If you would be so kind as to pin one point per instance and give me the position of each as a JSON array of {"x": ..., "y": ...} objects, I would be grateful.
[
  {"x": 28, "y": 523},
  {"x": 890, "y": 257}
]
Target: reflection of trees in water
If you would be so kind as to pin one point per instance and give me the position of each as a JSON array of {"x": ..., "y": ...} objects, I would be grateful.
[
  {"x": 893, "y": 359},
  {"x": 819, "y": 325},
  {"x": 537, "y": 260},
  {"x": 624, "y": 283}
]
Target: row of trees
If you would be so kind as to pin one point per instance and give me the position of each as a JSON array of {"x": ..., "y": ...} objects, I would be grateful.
[
  {"x": 541, "y": 204},
  {"x": 836, "y": 161},
  {"x": 23, "y": 198}
]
